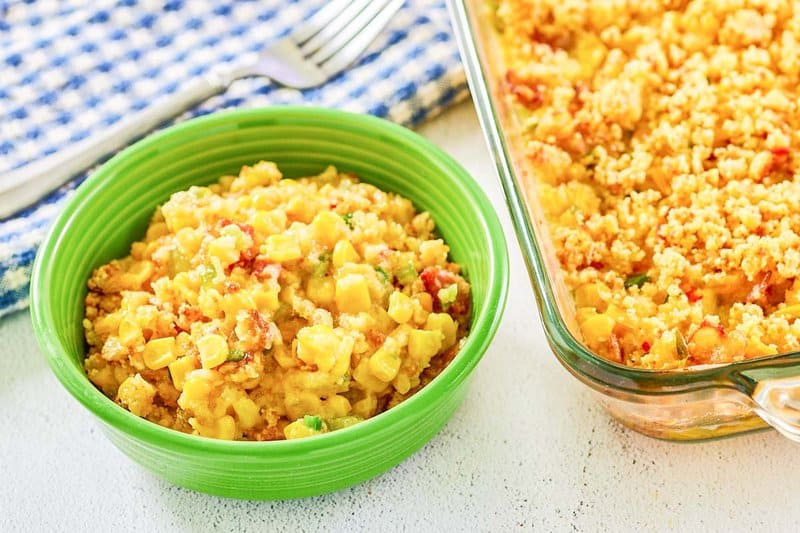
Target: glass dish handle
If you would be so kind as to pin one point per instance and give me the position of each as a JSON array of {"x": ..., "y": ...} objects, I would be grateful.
[{"x": 776, "y": 394}]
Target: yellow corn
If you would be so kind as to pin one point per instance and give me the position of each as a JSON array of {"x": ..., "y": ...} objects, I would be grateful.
[
  {"x": 321, "y": 291},
  {"x": 384, "y": 364},
  {"x": 137, "y": 395},
  {"x": 282, "y": 248},
  {"x": 433, "y": 252},
  {"x": 597, "y": 327},
  {"x": 298, "y": 430},
  {"x": 352, "y": 294},
  {"x": 159, "y": 353},
  {"x": 269, "y": 222},
  {"x": 343, "y": 252},
  {"x": 401, "y": 308},
  {"x": 179, "y": 368},
  {"x": 445, "y": 324},
  {"x": 423, "y": 344},
  {"x": 130, "y": 334},
  {"x": 196, "y": 387},
  {"x": 328, "y": 227},
  {"x": 246, "y": 411},
  {"x": 213, "y": 350},
  {"x": 364, "y": 377},
  {"x": 318, "y": 345},
  {"x": 790, "y": 312}
]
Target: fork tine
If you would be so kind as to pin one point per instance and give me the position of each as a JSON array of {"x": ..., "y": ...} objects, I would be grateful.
[
  {"x": 319, "y": 20},
  {"x": 356, "y": 46},
  {"x": 330, "y": 30},
  {"x": 351, "y": 30}
]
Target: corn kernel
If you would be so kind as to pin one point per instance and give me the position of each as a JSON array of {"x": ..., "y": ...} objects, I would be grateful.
[
  {"x": 299, "y": 402},
  {"x": 402, "y": 383},
  {"x": 423, "y": 344},
  {"x": 366, "y": 406},
  {"x": 246, "y": 411},
  {"x": 328, "y": 227},
  {"x": 343, "y": 252},
  {"x": 401, "y": 308},
  {"x": 158, "y": 353},
  {"x": 301, "y": 208},
  {"x": 130, "y": 334},
  {"x": 137, "y": 395},
  {"x": 223, "y": 428},
  {"x": 364, "y": 377},
  {"x": 594, "y": 294},
  {"x": 156, "y": 230},
  {"x": 444, "y": 323},
  {"x": 352, "y": 294},
  {"x": 213, "y": 350},
  {"x": 189, "y": 240},
  {"x": 178, "y": 215},
  {"x": 298, "y": 430},
  {"x": 224, "y": 248},
  {"x": 317, "y": 345},
  {"x": 597, "y": 328},
  {"x": 336, "y": 406},
  {"x": 282, "y": 247},
  {"x": 261, "y": 174},
  {"x": 321, "y": 291},
  {"x": 433, "y": 252},
  {"x": 384, "y": 364},
  {"x": 320, "y": 345},
  {"x": 266, "y": 299},
  {"x": 196, "y": 387},
  {"x": 178, "y": 370},
  {"x": 208, "y": 300},
  {"x": 138, "y": 274},
  {"x": 269, "y": 222}
]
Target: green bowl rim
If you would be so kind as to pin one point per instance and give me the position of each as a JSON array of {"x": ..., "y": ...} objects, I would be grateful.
[{"x": 484, "y": 325}]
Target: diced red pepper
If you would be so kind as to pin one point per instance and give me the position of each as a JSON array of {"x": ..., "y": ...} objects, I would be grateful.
[
  {"x": 527, "y": 94},
  {"x": 263, "y": 268},
  {"x": 693, "y": 295},
  {"x": 247, "y": 255}
]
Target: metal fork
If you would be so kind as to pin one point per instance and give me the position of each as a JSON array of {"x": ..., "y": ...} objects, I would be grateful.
[{"x": 324, "y": 45}]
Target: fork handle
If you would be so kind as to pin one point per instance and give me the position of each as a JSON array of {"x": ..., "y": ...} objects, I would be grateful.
[{"x": 23, "y": 186}]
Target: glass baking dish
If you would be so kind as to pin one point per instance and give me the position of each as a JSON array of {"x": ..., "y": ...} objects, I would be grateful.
[{"x": 701, "y": 402}]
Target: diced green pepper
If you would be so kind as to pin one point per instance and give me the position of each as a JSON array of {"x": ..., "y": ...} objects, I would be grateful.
[
  {"x": 406, "y": 274},
  {"x": 207, "y": 274},
  {"x": 177, "y": 262},
  {"x": 383, "y": 274},
  {"x": 343, "y": 422},
  {"x": 348, "y": 219},
  {"x": 199, "y": 192},
  {"x": 321, "y": 268},
  {"x": 447, "y": 295},
  {"x": 235, "y": 354},
  {"x": 313, "y": 422},
  {"x": 637, "y": 279}
]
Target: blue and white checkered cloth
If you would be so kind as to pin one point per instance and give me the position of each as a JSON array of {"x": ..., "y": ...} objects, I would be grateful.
[{"x": 71, "y": 67}]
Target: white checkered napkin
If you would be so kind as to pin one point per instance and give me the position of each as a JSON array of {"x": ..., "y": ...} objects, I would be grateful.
[{"x": 71, "y": 67}]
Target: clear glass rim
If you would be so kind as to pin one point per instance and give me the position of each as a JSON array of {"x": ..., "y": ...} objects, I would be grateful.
[{"x": 588, "y": 366}]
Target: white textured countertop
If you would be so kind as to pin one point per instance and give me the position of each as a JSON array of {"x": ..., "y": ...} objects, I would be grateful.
[{"x": 528, "y": 448}]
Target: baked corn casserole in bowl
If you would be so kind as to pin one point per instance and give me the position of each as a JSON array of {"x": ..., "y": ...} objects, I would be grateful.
[
  {"x": 271, "y": 303},
  {"x": 647, "y": 150}
]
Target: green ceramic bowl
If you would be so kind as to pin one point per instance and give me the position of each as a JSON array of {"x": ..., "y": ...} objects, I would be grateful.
[{"x": 111, "y": 210}]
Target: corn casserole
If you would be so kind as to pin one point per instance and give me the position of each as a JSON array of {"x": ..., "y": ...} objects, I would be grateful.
[
  {"x": 264, "y": 308},
  {"x": 660, "y": 137}
]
